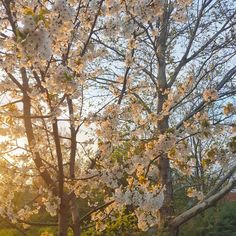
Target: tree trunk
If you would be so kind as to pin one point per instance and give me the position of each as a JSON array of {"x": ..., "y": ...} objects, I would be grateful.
[
  {"x": 166, "y": 210},
  {"x": 75, "y": 217},
  {"x": 164, "y": 176},
  {"x": 73, "y": 146},
  {"x": 63, "y": 218}
]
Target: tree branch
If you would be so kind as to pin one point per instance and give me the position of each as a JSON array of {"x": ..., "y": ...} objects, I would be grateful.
[{"x": 202, "y": 206}]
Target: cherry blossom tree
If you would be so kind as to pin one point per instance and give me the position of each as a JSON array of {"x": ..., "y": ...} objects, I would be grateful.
[{"x": 115, "y": 99}]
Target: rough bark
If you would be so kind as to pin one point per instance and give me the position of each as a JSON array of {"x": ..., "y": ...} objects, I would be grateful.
[
  {"x": 75, "y": 217},
  {"x": 164, "y": 177},
  {"x": 63, "y": 218},
  {"x": 166, "y": 210},
  {"x": 73, "y": 203}
]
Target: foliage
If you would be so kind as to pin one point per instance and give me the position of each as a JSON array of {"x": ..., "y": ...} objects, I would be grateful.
[{"x": 114, "y": 105}]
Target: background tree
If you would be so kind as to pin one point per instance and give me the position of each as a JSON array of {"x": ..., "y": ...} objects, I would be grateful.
[{"x": 151, "y": 78}]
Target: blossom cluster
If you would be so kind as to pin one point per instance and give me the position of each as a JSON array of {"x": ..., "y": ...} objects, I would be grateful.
[
  {"x": 147, "y": 203},
  {"x": 61, "y": 80},
  {"x": 210, "y": 95},
  {"x": 44, "y": 29}
]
